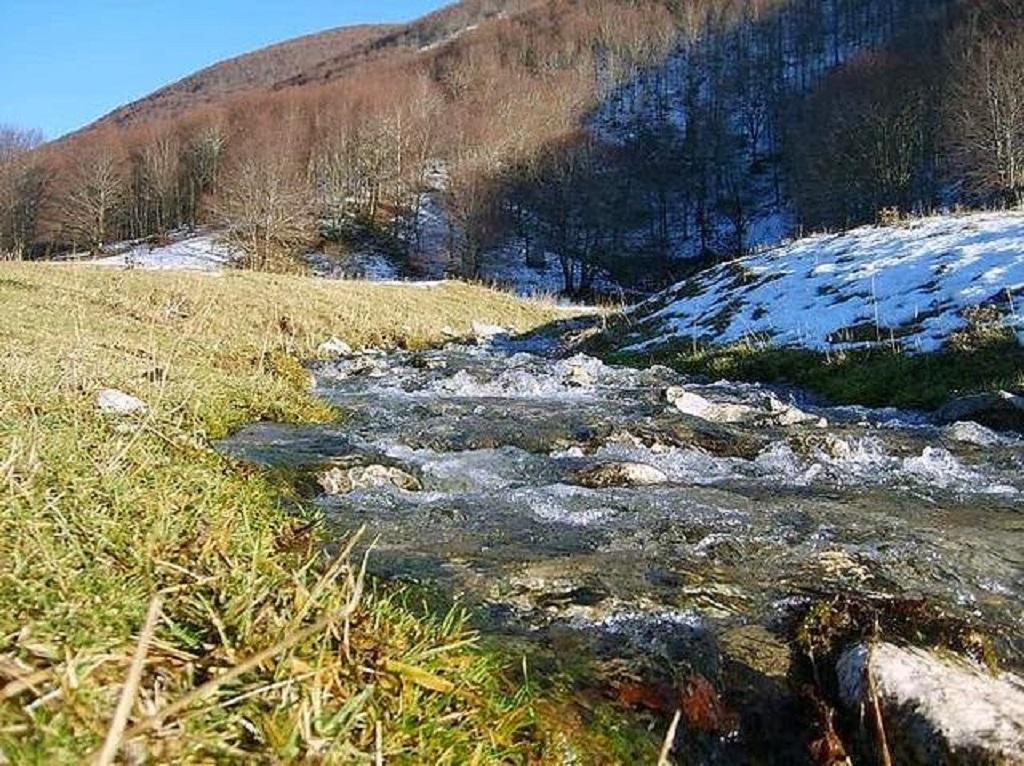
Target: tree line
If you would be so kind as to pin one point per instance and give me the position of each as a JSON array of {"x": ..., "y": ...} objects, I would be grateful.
[
  {"x": 278, "y": 169},
  {"x": 935, "y": 118}
]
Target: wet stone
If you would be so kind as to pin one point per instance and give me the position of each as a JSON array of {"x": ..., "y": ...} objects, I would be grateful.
[
  {"x": 693, "y": 404},
  {"x": 937, "y": 709},
  {"x": 620, "y": 475},
  {"x": 969, "y": 432},
  {"x": 759, "y": 649},
  {"x": 338, "y": 480}
]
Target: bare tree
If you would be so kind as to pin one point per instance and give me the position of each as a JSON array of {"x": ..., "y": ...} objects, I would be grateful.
[
  {"x": 474, "y": 214},
  {"x": 92, "y": 203},
  {"x": 266, "y": 209},
  {"x": 159, "y": 183},
  {"x": 22, "y": 184},
  {"x": 203, "y": 155},
  {"x": 986, "y": 112},
  {"x": 864, "y": 144}
]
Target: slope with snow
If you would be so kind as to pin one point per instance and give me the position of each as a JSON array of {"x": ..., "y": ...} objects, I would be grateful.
[
  {"x": 190, "y": 252},
  {"x": 908, "y": 285}
]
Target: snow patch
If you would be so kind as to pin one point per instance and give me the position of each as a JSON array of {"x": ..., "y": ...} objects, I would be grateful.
[
  {"x": 196, "y": 252},
  {"x": 906, "y": 285}
]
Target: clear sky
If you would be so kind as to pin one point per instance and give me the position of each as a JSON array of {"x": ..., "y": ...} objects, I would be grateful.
[{"x": 63, "y": 63}]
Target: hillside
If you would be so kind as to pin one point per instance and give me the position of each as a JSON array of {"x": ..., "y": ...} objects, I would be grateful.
[
  {"x": 309, "y": 60},
  {"x": 916, "y": 314},
  {"x": 611, "y": 148},
  {"x": 260, "y": 70},
  {"x": 420, "y": 36},
  {"x": 911, "y": 285}
]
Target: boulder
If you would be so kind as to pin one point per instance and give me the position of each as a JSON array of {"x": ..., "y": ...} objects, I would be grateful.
[
  {"x": 937, "y": 709},
  {"x": 110, "y": 401},
  {"x": 696, "y": 405},
  {"x": 487, "y": 332},
  {"x": 770, "y": 411},
  {"x": 620, "y": 475},
  {"x": 334, "y": 347},
  {"x": 782, "y": 414},
  {"x": 997, "y": 409},
  {"x": 969, "y": 432},
  {"x": 339, "y": 480},
  {"x": 687, "y": 402},
  {"x": 674, "y": 429}
]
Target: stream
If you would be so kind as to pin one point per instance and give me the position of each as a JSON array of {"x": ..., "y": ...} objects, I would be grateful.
[{"x": 575, "y": 504}]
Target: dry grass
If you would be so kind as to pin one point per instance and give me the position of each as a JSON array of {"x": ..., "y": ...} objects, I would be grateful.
[{"x": 264, "y": 647}]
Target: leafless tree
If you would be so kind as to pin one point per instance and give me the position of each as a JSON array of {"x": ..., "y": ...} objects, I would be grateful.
[
  {"x": 22, "y": 184},
  {"x": 94, "y": 186},
  {"x": 986, "y": 112},
  {"x": 266, "y": 209},
  {"x": 474, "y": 212},
  {"x": 159, "y": 182}
]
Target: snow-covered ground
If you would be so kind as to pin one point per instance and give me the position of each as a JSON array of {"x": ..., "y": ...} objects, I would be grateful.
[
  {"x": 204, "y": 252},
  {"x": 906, "y": 284},
  {"x": 372, "y": 266},
  {"x": 192, "y": 252}
]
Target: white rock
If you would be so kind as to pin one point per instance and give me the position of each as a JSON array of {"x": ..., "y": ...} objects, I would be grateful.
[
  {"x": 334, "y": 347},
  {"x": 486, "y": 332},
  {"x": 621, "y": 475},
  {"x": 110, "y": 401},
  {"x": 687, "y": 402},
  {"x": 784, "y": 414},
  {"x": 969, "y": 432},
  {"x": 938, "y": 710},
  {"x": 338, "y": 480},
  {"x": 696, "y": 405}
]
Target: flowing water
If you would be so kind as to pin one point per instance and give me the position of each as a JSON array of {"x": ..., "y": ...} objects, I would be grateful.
[{"x": 525, "y": 499}]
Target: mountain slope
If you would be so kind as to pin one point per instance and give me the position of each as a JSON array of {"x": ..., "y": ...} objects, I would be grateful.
[
  {"x": 422, "y": 35},
  {"x": 260, "y": 70},
  {"x": 639, "y": 141},
  {"x": 311, "y": 59}
]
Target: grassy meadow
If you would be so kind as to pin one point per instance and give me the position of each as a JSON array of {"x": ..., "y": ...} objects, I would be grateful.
[{"x": 161, "y": 603}]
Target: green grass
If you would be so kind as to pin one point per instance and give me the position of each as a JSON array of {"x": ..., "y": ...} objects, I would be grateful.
[
  {"x": 877, "y": 377},
  {"x": 98, "y": 514}
]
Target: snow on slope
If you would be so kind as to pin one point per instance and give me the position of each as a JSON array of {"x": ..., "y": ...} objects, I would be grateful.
[
  {"x": 907, "y": 284},
  {"x": 197, "y": 252}
]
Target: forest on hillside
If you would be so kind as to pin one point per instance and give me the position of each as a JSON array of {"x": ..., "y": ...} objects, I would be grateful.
[{"x": 639, "y": 138}]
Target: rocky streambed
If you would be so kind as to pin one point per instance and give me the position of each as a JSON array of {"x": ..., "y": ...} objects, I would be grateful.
[{"x": 725, "y": 549}]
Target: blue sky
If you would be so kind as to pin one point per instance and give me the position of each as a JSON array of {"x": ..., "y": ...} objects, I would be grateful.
[{"x": 63, "y": 63}]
